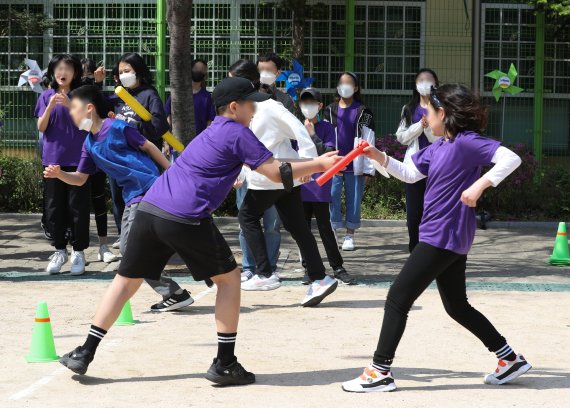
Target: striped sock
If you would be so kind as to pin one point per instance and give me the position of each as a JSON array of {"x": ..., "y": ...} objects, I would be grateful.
[
  {"x": 506, "y": 353},
  {"x": 94, "y": 337},
  {"x": 382, "y": 367},
  {"x": 226, "y": 347}
]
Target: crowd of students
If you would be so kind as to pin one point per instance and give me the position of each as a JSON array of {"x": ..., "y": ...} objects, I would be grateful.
[{"x": 249, "y": 137}]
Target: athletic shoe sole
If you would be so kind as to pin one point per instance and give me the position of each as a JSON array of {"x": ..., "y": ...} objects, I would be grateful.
[
  {"x": 216, "y": 378},
  {"x": 318, "y": 299},
  {"x": 520, "y": 371},
  {"x": 385, "y": 388},
  {"x": 75, "y": 366},
  {"x": 176, "y": 306},
  {"x": 263, "y": 288}
]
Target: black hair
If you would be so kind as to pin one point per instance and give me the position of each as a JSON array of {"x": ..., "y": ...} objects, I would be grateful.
[
  {"x": 246, "y": 69},
  {"x": 414, "y": 101},
  {"x": 92, "y": 94},
  {"x": 270, "y": 57},
  {"x": 69, "y": 60},
  {"x": 463, "y": 109},
  {"x": 141, "y": 69},
  {"x": 89, "y": 65},
  {"x": 195, "y": 61},
  {"x": 357, "y": 94}
]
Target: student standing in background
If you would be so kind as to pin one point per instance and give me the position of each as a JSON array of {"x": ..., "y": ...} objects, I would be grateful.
[{"x": 269, "y": 66}]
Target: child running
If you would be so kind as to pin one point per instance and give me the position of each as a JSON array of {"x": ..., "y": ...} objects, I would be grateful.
[
  {"x": 452, "y": 166},
  {"x": 176, "y": 216},
  {"x": 120, "y": 151}
]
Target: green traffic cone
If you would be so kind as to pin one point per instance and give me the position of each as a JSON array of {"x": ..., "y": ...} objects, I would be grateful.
[
  {"x": 42, "y": 348},
  {"x": 561, "y": 254},
  {"x": 126, "y": 316}
]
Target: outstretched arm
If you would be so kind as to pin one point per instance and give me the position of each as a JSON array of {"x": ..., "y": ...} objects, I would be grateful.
[
  {"x": 408, "y": 173},
  {"x": 74, "y": 178},
  {"x": 270, "y": 168}
]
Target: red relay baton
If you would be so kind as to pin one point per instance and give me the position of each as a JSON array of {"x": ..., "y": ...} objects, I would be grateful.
[{"x": 327, "y": 175}]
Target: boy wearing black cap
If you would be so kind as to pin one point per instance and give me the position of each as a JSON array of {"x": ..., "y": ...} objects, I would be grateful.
[
  {"x": 316, "y": 199},
  {"x": 180, "y": 204}
]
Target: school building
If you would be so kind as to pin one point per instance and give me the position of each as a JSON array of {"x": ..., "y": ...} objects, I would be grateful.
[{"x": 384, "y": 42}]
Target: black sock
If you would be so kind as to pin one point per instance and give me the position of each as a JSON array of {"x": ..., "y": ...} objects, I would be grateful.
[
  {"x": 94, "y": 337},
  {"x": 226, "y": 347},
  {"x": 506, "y": 353}
]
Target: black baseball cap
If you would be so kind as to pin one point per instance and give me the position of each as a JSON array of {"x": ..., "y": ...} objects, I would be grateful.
[
  {"x": 236, "y": 89},
  {"x": 316, "y": 95}
]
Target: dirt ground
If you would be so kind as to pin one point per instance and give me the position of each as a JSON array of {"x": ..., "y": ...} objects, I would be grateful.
[{"x": 300, "y": 356}]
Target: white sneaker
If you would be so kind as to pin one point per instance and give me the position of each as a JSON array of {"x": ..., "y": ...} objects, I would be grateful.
[
  {"x": 246, "y": 275},
  {"x": 117, "y": 244},
  {"x": 318, "y": 290},
  {"x": 57, "y": 259},
  {"x": 77, "y": 263},
  {"x": 105, "y": 254},
  {"x": 348, "y": 244},
  {"x": 371, "y": 380},
  {"x": 261, "y": 283},
  {"x": 508, "y": 370}
]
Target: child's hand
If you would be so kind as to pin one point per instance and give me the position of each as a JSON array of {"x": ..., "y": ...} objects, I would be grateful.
[
  {"x": 310, "y": 126},
  {"x": 424, "y": 122},
  {"x": 53, "y": 101},
  {"x": 63, "y": 99},
  {"x": 470, "y": 196},
  {"x": 52, "y": 171},
  {"x": 374, "y": 154},
  {"x": 328, "y": 160},
  {"x": 99, "y": 74},
  {"x": 305, "y": 179}
]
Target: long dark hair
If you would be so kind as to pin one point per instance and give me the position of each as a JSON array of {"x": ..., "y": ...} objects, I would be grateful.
[
  {"x": 247, "y": 69},
  {"x": 357, "y": 94},
  {"x": 464, "y": 110},
  {"x": 69, "y": 60},
  {"x": 141, "y": 69},
  {"x": 415, "y": 99}
]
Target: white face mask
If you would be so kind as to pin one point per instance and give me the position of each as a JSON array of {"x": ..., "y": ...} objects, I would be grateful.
[
  {"x": 267, "y": 77},
  {"x": 424, "y": 88},
  {"x": 86, "y": 124},
  {"x": 310, "y": 110},
  {"x": 345, "y": 90},
  {"x": 128, "y": 79}
]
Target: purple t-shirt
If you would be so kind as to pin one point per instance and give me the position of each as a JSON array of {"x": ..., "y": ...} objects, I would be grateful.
[
  {"x": 416, "y": 117},
  {"x": 134, "y": 139},
  {"x": 346, "y": 130},
  {"x": 62, "y": 139},
  {"x": 312, "y": 192},
  {"x": 204, "y": 109},
  {"x": 452, "y": 167},
  {"x": 201, "y": 178}
]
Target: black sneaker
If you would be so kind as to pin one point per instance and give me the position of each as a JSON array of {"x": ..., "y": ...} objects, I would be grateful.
[
  {"x": 174, "y": 302},
  {"x": 77, "y": 360},
  {"x": 342, "y": 275},
  {"x": 306, "y": 280},
  {"x": 232, "y": 374}
]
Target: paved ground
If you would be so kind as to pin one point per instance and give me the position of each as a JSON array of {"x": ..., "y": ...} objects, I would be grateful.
[{"x": 299, "y": 355}]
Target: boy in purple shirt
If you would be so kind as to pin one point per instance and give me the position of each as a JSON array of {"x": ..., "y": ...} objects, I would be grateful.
[
  {"x": 452, "y": 166},
  {"x": 119, "y": 150},
  {"x": 175, "y": 216},
  {"x": 316, "y": 199},
  {"x": 62, "y": 141}
]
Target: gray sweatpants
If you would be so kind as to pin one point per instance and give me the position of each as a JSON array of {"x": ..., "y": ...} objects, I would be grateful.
[{"x": 166, "y": 286}]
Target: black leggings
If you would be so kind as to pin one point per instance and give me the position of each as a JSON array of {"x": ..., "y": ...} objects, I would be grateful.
[
  {"x": 99, "y": 201},
  {"x": 425, "y": 264},
  {"x": 290, "y": 209},
  {"x": 322, "y": 214},
  {"x": 414, "y": 210}
]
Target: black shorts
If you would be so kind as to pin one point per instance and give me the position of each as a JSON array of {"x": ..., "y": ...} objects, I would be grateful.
[{"x": 153, "y": 240}]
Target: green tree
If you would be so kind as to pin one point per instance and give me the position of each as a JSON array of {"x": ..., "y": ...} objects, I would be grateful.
[
  {"x": 557, "y": 13},
  {"x": 179, "y": 16},
  {"x": 25, "y": 21}
]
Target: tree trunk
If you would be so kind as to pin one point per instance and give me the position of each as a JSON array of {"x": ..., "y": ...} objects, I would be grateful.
[
  {"x": 299, "y": 19},
  {"x": 179, "y": 15}
]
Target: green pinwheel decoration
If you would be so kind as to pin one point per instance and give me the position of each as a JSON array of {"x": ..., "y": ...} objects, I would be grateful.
[{"x": 504, "y": 82}]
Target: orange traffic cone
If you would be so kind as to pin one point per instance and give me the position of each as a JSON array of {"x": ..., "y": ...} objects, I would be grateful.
[
  {"x": 43, "y": 347},
  {"x": 561, "y": 254}
]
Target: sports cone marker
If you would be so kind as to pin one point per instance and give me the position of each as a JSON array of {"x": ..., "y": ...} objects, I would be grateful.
[
  {"x": 42, "y": 348},
  {"x": 126, "y": 316},
  {"x": 560, "y": 255}
]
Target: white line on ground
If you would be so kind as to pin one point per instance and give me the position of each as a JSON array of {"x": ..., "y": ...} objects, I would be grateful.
[{"x": 35, "y": 386}]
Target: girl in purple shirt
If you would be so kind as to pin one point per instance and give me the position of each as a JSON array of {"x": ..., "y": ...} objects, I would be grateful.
[
  {"x": 64, "y": 205},
  {"x": 452, "y": 166}
]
